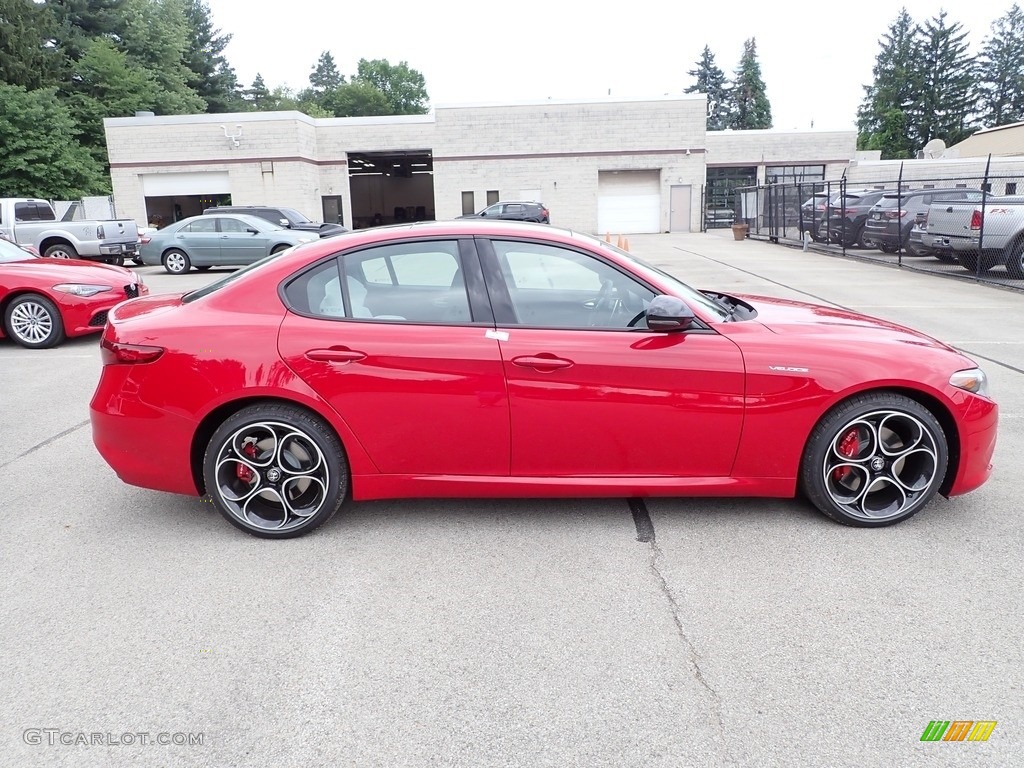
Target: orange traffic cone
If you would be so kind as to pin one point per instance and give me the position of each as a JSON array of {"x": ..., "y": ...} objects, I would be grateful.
[
  {"x": 608, "y": 237},
  {"x": 625, "y": 247},
  {"x": 619, "y": 243}
]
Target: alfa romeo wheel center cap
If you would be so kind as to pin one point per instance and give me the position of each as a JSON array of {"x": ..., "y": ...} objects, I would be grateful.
[
  {"x": 878, "y": 464},
  {"x": 273, "y": 474}
]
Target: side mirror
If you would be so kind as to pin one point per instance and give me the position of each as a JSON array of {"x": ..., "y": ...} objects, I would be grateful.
[
  {"x": 668, "y": 313},
  {"x": 252, "y": 231},
  {"x": 284, "y": 223}
]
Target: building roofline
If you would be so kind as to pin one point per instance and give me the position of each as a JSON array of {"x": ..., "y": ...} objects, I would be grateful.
[{"x": 566, "y": 102}]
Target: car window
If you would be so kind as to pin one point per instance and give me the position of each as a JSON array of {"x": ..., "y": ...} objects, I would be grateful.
[
  {"x": 318, "y": 291},
  {"x": 25, "y": 212},
  {"x": 235, "y": 225},
  {"x": 555, "y": 287},
  {"x": 513, "y": 208},
  {"x": 201, "y": 226},
  {"x": 417, "y": 282},
  {"x": 494, "y": 210},
  {"x": 11, "y": 252}
]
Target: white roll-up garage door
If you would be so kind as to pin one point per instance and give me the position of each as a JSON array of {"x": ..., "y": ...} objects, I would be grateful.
[
  {"x": 197, "y": 183},
  {"x": 628, "y": 202}
]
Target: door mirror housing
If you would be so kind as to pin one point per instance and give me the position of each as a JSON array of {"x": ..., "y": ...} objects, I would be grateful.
[
  {"x": 669, "y": 313},
  {"x": 252, "y": 231}
]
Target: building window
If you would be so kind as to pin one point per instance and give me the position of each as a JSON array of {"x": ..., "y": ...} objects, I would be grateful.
[
  {"x": 492, "y": 196},
  {"x": 794, "y": 174},
  {"x": 468, "y": 202},
  {"x": 1011, "y": 187}
]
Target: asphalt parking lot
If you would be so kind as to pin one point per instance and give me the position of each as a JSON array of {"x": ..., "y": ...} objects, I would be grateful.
[{"x": 522, "y": 633}]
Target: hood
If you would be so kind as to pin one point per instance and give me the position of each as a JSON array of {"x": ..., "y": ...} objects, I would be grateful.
[
  {"x": 787, "y": 317},
  {"x": 73, "y": 271}
]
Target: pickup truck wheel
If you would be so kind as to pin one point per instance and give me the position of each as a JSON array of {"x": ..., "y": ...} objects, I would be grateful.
[
  {"x": 34, "y": 322},
  {"x": 969, "y": 261},
  {"x": 117, "y": 261},
  {"x": 944, "y": 256},
  {"x": 177, "y": 262},
  {"x": 1015, "y": 261},
  {"x": 61, "y": 251}
]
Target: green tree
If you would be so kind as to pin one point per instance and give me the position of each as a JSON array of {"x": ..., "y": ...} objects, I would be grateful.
[
  {"x": 108, "y": 84},
  {"x": 211, "y": 76},
  {"x": 27, "y": 54},
  {"x": 883, "y": 118},
  {"x": 325, "y": 76},
  {"x": 948, "y": 97},
  {"x": 710, "y": 79},
  {"x": 750, "y": 108},
  {"x": 258, "y": 95},
  {"x": 357, "y": 99},
  {"x": 157, "y": 38},
  {"x": 404, "y": 88},
  {"x": 80, "y": 21},
  {"x": 41, "y": 157},
  {"x": 1000, "y": 70}
]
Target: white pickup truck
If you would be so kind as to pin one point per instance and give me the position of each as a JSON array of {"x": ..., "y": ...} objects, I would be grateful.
[
  {"x": 994, "y": 231},
  {"x": 33, "y": 222}
]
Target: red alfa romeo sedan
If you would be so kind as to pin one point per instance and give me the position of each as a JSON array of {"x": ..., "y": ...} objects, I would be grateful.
[
  {"x": 43, "y": 300},
  {"x": 489, "y": 359}
]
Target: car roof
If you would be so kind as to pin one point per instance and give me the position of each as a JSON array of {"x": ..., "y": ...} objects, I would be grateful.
[{"x": 225, "y": 215}]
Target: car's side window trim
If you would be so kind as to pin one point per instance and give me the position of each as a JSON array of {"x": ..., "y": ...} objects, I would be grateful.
[{"x": 501, "y": 297}]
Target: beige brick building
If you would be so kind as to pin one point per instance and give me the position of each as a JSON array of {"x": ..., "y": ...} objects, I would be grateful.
[{"x": 618, "y": 166}]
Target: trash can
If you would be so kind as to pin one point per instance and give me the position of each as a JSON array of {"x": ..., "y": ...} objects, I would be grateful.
[{"x": 739, "y": 231}]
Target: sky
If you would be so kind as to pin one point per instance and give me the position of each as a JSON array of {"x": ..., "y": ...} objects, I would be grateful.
[{"x": 815, "y": 56}]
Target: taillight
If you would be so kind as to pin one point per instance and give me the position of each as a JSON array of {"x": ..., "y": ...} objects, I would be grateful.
[
  {"x": 144, "y": 239},
  {"x": 114, "y": 353},
  {"x": 895, "y": 214},
  {"x": 100, "y": 233},
  {"x": 976, "y": 219}
]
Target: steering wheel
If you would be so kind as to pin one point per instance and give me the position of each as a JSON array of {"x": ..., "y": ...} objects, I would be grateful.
[{"x": 603, "y": 300}]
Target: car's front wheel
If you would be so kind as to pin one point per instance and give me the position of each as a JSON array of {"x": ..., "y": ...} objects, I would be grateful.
[
  {"x": 874, "y": 460},
  {"x": 34, "y": 321},
  {"x": 276, "y": 471},
  {"x": 177, "y": 262}
]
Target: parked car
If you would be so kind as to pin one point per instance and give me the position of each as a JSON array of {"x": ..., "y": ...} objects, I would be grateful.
[
  {"x": 289, "y": 218},
  {"x": 813, "y": 214},
  {"x": 513, "y": 210},
  {"x": 216, "y": 241},
  {"x": 847, "y": 214},
  {"x": 43, "y": 300},
  {"x": 891, "y": 220},
  {"x": 980, "y": 237},
  {"x": 477, "y": 358},
  {"x": 34, "y": 222}
]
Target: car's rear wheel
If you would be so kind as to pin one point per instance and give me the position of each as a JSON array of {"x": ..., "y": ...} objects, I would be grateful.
[
  {"x": 177, "y": 262},
  {"x": 874, "y": 460},
  {"x": 969, "y": 261},
  {"x": 946, "y": 257},
  {"x": 275, "y": 471},
  {"x": 34, "y": 321},
  {"x": 887, "y": 247},
  {"x": 203, "y": 268},
  {"x": 61, "y": 251},
  {"x": 1015, "y": 260}
]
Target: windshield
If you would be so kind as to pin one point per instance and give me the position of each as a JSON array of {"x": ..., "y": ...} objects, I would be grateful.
[
  {"x": 683, "y": 290},
  {"x": 293, "y": 216},
  {"x": 10, "y": 252}
]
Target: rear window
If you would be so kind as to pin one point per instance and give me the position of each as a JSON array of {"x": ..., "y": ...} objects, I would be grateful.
[{"x": 216, "y": 285}]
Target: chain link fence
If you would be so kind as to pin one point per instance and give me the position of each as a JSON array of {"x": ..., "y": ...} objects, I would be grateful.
[{"x": 970, "y": 227}]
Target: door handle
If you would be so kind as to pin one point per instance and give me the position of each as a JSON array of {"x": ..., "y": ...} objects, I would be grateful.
[
  {"x": 542, "y": 362},
  {"x": 335, "y": 355}
]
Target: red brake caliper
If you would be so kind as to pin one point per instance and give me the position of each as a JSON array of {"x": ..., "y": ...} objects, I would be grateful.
[
  {"x": 244, "y": 473},
  {"x": 848, "y": 447}
]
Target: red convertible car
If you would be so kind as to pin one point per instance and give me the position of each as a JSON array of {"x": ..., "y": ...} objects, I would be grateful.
[
  {"x": 472, "y": 359},
  {"x": 43, "y": 300}
]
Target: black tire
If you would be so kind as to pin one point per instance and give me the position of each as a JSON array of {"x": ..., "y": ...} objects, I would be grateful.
[
  {"x": 203, "y": 268},
  {"x": 859, "y": 239},
  {"x": 1015, "y": 260},
  {"x": 34, "y": 322},
  {"x": 61, "y": 251},
  {"x": 946, "y": 257},
  {"x": 263, "y": 426},
  {"x": 137, "y": 260},
  {"x": 176, "y": 262},
  {"x": 887, "y": 247},
  {"x": 117, "y": 261},
  {"x": 843, "y": 460}
]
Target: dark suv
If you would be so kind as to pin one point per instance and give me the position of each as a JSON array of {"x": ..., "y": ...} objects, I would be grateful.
[
  {"x": 892, "y": 219},
  {"x": 513, "y": 210},
  {"x": 847, "y": 215},
  {"x": 288, "y": 218}
]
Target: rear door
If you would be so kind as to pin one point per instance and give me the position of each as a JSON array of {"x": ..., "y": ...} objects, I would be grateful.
[
  {"x": 200, "y": 240},
  {"x": 399, "y": 340}
]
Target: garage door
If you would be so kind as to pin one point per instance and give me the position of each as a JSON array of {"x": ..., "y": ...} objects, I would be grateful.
[
  {"x": 198, "y": 183},
  {"x": 628, "y": 202}
]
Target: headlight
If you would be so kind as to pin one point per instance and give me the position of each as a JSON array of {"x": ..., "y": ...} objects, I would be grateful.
[
  {"x": 973, "y": 380},
  {"x": 82, "y": 289}
]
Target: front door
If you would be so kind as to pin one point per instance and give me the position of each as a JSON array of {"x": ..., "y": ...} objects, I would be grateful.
[
  {"x": 332, "y": 209},
  {"x": 403, "y": 357},
  {"x": 238, "y": 243},
  {"x": 589, "y": 392}
]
